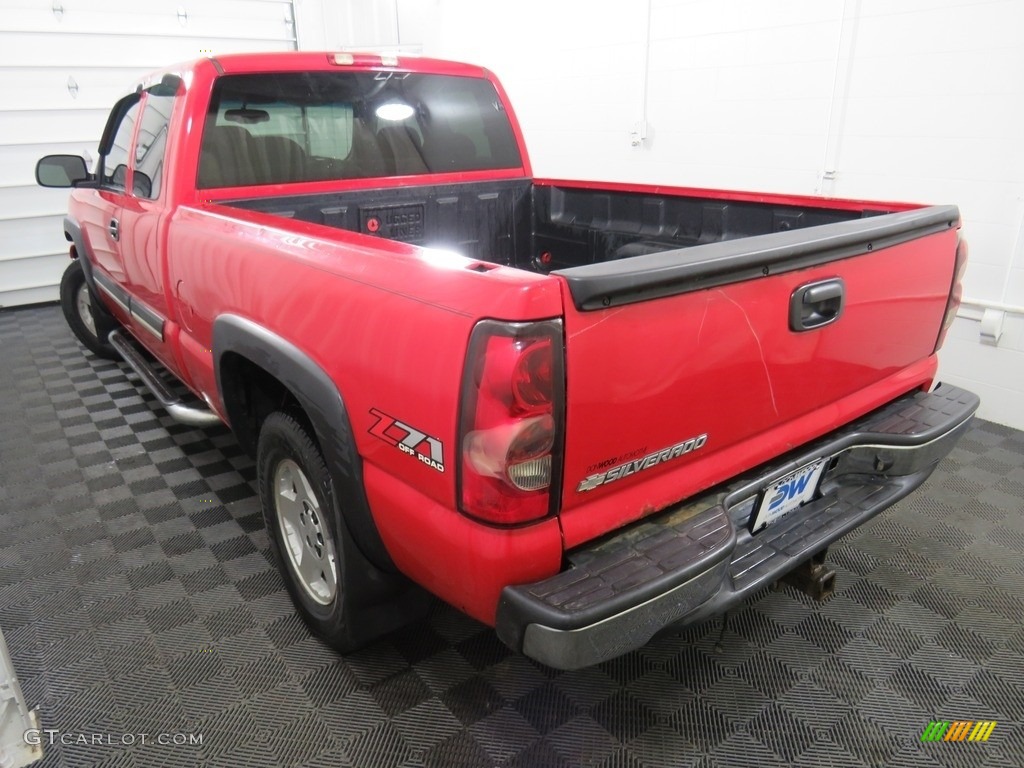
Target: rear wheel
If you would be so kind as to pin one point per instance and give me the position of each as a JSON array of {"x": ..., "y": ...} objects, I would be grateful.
[
  {"x": 303, "y": 521},
  {"x": 76, "y": 301},
  {"x": 305, "y": 535}
]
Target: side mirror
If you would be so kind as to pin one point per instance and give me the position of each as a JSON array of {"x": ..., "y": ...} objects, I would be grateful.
[
  {"x": 119, "y": 176},
  {"x": 61, "y": 171}
]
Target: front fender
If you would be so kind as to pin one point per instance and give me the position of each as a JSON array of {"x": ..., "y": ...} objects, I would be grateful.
[{"x": 106, "y": 322}]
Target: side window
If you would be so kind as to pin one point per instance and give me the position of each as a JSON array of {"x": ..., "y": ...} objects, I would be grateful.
[
  {"x": 114, "y": 171},
  {"x": 151, "y": 145}
]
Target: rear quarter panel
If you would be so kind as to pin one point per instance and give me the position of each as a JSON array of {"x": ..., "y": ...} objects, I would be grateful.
[{"x": 390, "y": 324}]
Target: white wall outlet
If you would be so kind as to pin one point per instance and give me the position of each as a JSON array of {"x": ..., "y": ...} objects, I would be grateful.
[
  {"x": 638, "y": 134},
  {"x": 992, "y": 326}
]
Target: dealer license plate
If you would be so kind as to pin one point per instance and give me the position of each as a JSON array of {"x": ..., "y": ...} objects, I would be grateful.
[{"x": 787, "y": 494}]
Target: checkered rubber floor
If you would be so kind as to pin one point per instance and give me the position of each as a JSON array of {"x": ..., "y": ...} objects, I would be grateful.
[{"x": 138, "y": 598}]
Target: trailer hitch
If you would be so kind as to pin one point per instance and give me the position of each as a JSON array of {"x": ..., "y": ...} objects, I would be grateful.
[{"x": 813, "y": 577}]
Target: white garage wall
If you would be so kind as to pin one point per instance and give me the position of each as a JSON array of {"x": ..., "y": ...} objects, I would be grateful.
[
  {"x": 63, "y": 64},
  {"x": 380, "y": 25},
  {"x": 919, "y": 100},
  {"x": 934, "y": 113}
]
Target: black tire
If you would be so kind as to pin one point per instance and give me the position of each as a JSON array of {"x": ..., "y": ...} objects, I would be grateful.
[
  {"x": 288, "y": 458},
  {"x": 82, "y": 314}
]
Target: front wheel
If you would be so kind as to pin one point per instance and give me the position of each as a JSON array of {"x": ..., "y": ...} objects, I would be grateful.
[
  {"x": 76, "y": 301},
  {"x": 305, "y": 528}
]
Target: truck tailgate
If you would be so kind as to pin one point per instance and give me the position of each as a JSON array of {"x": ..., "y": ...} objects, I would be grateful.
[{"x": 685, "y": 368}]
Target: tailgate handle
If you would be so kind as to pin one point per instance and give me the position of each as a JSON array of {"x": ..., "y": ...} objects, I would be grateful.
[{"x": 816, "y": 304}]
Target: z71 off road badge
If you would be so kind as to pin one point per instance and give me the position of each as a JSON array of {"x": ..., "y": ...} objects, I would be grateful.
[{"x": 408, "y": 440}]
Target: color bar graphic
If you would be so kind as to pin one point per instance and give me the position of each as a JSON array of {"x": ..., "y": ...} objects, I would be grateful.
[
  {"x": 958, "y": 730},
  {"x": 982, "y": 730},
  {"x": 935, "y": 731}
]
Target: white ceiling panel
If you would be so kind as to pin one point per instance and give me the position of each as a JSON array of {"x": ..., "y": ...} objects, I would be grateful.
[
  {"x": 154, "y": 18},
  {"x": 96, "y": 16},
  {"x": 51, "y": 126},
  {"x": 28, "y": 238},
  {"x": 39, "y": 272},
  {"x": 28, "y": 200},
  {"x": 22, "y": 296},
  {"x": 63, "y": 64},
  {"x": 37, "y": 49},
  {"x": 18, "y": 161},
  {"x": 60, "y": 87}
]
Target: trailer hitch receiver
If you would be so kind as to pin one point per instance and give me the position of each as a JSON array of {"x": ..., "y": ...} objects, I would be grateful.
[{"x": 813, "y": 577}]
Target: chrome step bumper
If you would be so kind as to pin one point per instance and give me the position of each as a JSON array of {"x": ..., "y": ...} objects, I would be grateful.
[{"x": 700, "y": 558}]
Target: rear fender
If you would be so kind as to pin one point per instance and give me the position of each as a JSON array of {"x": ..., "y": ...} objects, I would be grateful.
[{"x": 323, "y": 405}]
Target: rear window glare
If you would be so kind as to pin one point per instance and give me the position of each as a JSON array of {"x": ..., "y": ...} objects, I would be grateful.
[{"x": 310, "y": 126}]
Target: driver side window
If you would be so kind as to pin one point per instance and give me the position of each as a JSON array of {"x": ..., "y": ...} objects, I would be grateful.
[
  {"x": 114, "y": 171},
  {"x": 151, "y": 145}
]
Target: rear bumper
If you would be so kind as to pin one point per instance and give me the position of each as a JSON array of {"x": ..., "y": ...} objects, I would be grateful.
[{"x": 699, "y": 558}]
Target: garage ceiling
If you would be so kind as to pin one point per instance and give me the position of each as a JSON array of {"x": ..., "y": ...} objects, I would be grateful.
[{"x": 63, "y": 64}]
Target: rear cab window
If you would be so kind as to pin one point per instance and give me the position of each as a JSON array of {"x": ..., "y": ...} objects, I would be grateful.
[{"x": 312, "y": 126}]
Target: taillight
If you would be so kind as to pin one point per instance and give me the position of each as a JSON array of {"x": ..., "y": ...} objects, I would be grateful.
[
  {"x": 510, "y": 431},
  {"x": 956, "y": 292}
]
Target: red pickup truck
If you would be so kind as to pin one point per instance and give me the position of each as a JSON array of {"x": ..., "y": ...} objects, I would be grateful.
[{"x": 580, "y": 412}]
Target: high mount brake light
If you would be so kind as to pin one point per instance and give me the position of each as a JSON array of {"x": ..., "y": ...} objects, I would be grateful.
[
  {"x": 956, "y": 292},
  {"x": 343, "y": 59},
  {"x": 510, "y": 431}
]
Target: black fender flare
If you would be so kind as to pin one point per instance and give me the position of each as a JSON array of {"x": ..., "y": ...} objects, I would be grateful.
[
  {"x": 73, "y": 233},
  {"x": 320, "y": 399}
]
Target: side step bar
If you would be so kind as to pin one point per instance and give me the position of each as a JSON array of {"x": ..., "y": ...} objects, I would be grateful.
[{"x": 175, "y": 407}]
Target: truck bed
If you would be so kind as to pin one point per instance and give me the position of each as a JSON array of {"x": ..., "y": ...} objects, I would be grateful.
[{"x": 548, "y": 226}]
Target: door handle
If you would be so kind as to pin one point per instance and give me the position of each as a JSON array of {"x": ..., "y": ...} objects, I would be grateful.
[
  {"x": 114, "y": 228},
  {"x": 816, "y": 304}
]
